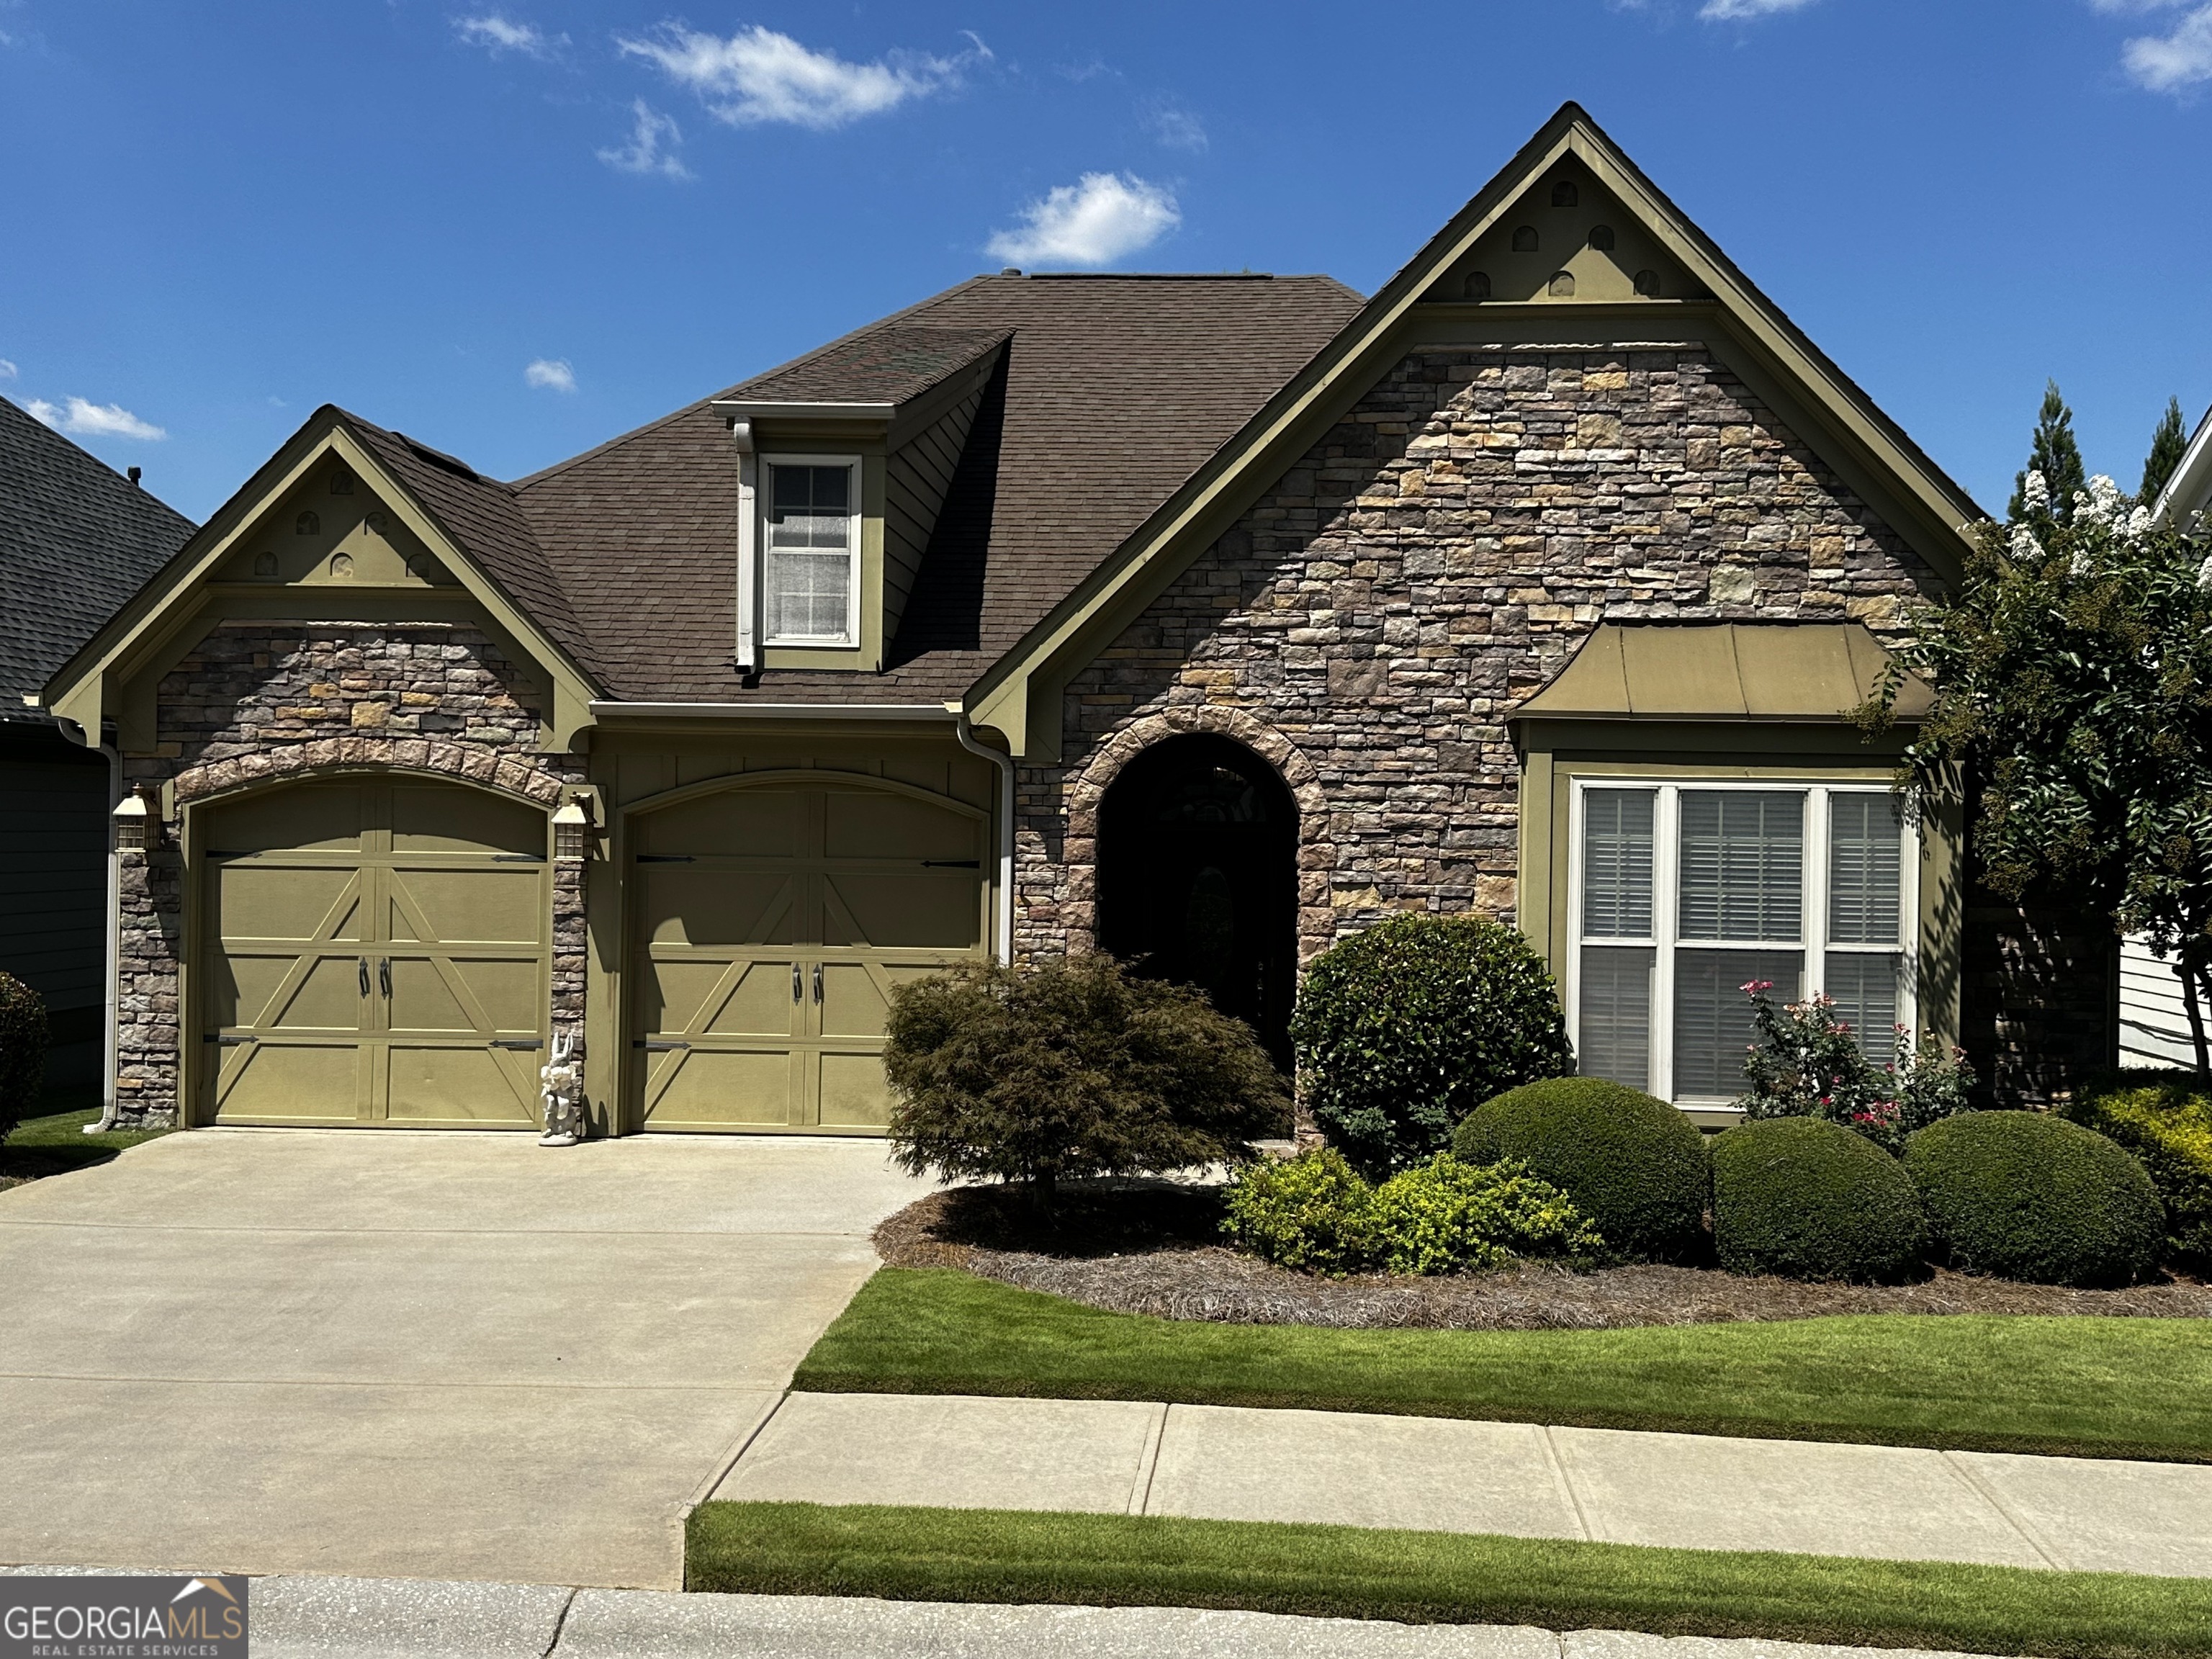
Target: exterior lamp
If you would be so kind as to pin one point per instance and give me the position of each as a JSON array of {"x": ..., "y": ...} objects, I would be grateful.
[{"x": 572, "y": 831}]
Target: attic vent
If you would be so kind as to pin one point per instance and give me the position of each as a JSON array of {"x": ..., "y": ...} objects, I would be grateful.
[
  {"x": 439, "y": 459},
  {"x": 1563, "y": 194},
  {"x": 1563, "y": 285},
  {"x": 1476, "y": 286},
  {"x": 1647, "y": 284},
  {"x": 308, "y": 524},
  {"x": 1524, "y": 240},
  {"x": 1601, "y": 238},
  {"x": 341, "y": 483}
]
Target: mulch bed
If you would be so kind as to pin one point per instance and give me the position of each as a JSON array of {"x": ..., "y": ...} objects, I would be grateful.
[{"x": 1149, "y": 1248}]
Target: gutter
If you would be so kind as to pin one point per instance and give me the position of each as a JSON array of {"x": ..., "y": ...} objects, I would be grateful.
[
  {"x": 1002, "y": 942},
  {"x": 2188, "y": 494},
  {"x": 112, "y": 950},
  {"x": 775, "y": 711}
]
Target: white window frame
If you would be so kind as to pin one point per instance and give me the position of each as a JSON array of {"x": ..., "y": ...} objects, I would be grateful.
[
  {"x": 766, "y": 505},
  {"x": 1667, "y": 899}
]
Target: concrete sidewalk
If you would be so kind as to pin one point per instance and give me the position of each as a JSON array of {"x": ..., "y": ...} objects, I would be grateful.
[
  {"x": 1439, "y": 1474},
  {"x": 317, "y": 1618}
]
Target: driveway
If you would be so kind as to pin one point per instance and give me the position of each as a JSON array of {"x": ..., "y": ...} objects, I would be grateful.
[{"x": 415, "y": 1355}]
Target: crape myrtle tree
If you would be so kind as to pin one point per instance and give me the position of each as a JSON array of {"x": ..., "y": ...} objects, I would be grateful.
[{"x": 2073, "y": 678}]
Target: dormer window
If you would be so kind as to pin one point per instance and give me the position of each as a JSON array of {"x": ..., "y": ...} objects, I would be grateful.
[{"x": 810, "y": 546}]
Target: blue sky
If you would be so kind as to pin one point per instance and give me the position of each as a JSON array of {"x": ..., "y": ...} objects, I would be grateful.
[{"x": 217, "y": 216}]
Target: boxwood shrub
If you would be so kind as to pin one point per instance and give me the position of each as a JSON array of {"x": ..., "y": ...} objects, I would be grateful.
[
  {"x": 2164, "y": 1118},
  {"x": 1314, "y": 1213},
  {"x": 1807, "y": 1198},
  {"x": 22, "y": 1051},
  {"x": 2025, "y": 1196},
  {"x": 1633, "y": 1165},
  {"x": 1402, "y": 1029}
]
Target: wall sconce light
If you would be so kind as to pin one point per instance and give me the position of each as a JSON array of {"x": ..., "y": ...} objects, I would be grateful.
[
  {"x": 131, "y": 823},
  {"x": 572, "y": 831}
]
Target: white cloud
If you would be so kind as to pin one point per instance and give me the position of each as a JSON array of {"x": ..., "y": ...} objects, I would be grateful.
[
  {"x": 88, "y": 419},
  {"x": 654, "y": 139},
  {"x": 1092, "y": 222},
  {"x": 552, "y": 374},
  {"x": 758, "y": 76},
  {"x": 2169, "y": 63},
  {"x": 7, "y": 369},
  {"x": 1178, "y": 129},
  {"x": 499, "y": 34},
  {"x": 1722, "y": 11}
]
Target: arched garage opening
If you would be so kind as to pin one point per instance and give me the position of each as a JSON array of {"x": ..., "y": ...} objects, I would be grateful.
[{"x": 1198, "y": 877}]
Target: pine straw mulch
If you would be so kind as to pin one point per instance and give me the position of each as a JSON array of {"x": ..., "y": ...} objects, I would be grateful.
[{"x": 1149, "y": 1248}]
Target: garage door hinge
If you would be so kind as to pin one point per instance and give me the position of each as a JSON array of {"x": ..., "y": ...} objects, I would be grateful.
[
  {"x": 516, "y": 858},
  {"x": 532, "y": 1043},
  {"x": 655, "y": 1045},
  {"x": 952, "y": 864},
  {"x": 665, "y": 858},
  {"x": 229, "y": 1042}
]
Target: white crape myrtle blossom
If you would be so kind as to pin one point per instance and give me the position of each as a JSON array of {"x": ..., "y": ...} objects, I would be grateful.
[
  {"x": 2101, "y": 505},
  {"x": 2138, "y": 525},
  {"x": 2204, "y": 572},
  {"x": 2078, "y": 566},
  {"x": 2035, "y": 493},
  {"x": 2024, "y": 544}
]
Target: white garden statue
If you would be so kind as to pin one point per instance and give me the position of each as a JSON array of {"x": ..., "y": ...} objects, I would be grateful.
[{"x": 562, "y": 1095}]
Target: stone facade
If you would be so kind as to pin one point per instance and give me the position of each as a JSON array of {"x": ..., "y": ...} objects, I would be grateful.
[
  {"x": 1370, "y": 623},
  {"x": 257, "y": 702}
]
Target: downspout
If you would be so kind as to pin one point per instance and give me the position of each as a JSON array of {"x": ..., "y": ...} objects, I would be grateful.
[
  {"x": 111, "y": 950},
  {"x": 1003, "y": 943}
]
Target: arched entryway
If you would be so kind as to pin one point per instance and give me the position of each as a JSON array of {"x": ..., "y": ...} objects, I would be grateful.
[{"x": 1198, "y": 840}]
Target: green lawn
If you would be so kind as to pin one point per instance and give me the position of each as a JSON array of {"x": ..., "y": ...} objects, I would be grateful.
[
  {"x": 58, "y": 1144},
  {"x": 2086, "y": 1386},
  {"x": 1430, "y": 1578}
]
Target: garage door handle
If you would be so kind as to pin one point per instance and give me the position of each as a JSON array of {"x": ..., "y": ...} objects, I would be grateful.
[
  {"x": 384, "y": 974},
  {"x": 364, "y": 976},
  {"x": 818, "y": 982},
  {"x": 798, "y": 985}
]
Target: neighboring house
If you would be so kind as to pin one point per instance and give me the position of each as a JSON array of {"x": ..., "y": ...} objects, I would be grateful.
[
  {"x": 1208, "y": 619},
  {"x": 2153, "y": 1022},
  {"x": 75, "y": 541}
]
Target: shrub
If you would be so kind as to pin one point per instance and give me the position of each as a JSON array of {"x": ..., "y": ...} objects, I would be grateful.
[
  {"x": 2023, "y": 1195},
  {"x": 22, "y": 1051},
  {"x": 2164, "y": 1118},
  {"x": 1807, "y": 1199},
  {"x": 1448, "y": 1216},
  {"x": 1067, "y": 1069},
  {"x": 1404, "y": 1028},
  {"x": 1313, "y": 1212},
  {"x": 1634, "y": 1165},
  {"x": 1807, "y": 1063}
]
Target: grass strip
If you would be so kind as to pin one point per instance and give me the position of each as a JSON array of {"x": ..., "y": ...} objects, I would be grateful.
[
  {"x": 1433, "y": 1577},
  {"x": 2075, "y": 1387},
  {"x": 56, "y": 1144}
]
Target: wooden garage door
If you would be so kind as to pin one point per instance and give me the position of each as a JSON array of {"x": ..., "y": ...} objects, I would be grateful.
[
  {"x": 772, "y": 922},
  {"x": 377, "y": 952}
]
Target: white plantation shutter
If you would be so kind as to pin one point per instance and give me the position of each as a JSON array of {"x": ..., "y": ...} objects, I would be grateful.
[
  {"x": 1864, "y": 841},
  {"x": 1864, "y": 984}
]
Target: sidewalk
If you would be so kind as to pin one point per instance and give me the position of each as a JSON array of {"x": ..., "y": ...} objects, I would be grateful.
[
  {"x": 1694, "y": 1491},
  {"x": 314, "y": 1618}
]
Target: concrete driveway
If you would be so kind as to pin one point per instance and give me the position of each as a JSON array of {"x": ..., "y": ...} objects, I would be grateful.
[{"x": 418, "y": 1355}]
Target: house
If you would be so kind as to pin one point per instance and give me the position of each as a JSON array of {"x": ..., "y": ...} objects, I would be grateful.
[
  {"x": 2154, "y": 1017},
  {"x": 77, "y": 539},
  {"x": 1206, "y": 619}
]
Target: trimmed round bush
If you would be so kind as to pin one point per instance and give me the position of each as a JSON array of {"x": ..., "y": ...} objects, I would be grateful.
[
  {"x": 1633, "y": 1165},
  {"x": 2023, "y": 1195},
  {"x": 1807, "y": 1199},
  {"x": 1313, "y": 1212},
  {"x": 1402, "y": 1029},
  {"x": 22, "y": 1051}
]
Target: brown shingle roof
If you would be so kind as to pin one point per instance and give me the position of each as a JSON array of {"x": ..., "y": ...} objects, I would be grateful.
[{"x": 1113, "y": 391}]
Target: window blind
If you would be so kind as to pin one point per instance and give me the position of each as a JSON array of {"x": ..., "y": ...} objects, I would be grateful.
[
  {"x": 1613, "y": 1035},
  {"x": 1742, "y": 864},
  {"x": 1864, "y": 984},
  {"x": 810, "y": 564},
  {"x": 1617, "y": 863},
  {"x": 1863, "y": 875},
  {"x": 1712, "y": 1015}
]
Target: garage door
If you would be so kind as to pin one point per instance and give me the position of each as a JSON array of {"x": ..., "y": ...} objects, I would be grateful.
[
  {"x": 774, "y": 922},
  {"x": 377, "y": 952}
]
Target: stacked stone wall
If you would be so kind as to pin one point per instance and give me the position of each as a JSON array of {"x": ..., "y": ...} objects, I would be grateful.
[{"x": 256, "y": 702}]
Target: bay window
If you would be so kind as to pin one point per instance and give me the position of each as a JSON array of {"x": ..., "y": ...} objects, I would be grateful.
[{"x": 1685, "y": 892}]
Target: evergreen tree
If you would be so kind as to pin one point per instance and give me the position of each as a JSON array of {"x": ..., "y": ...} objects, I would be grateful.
[
  {"x": 2166, "y": 447},
  {"x": 2056, "y": 457}
]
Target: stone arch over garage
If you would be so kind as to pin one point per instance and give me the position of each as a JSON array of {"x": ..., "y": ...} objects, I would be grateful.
[
  {"x": 1086, "y": 791},
  {"x": 453, "y": 761}
]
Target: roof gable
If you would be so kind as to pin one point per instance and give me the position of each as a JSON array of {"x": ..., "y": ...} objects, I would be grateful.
[{"x": 1019, "y": 694}]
